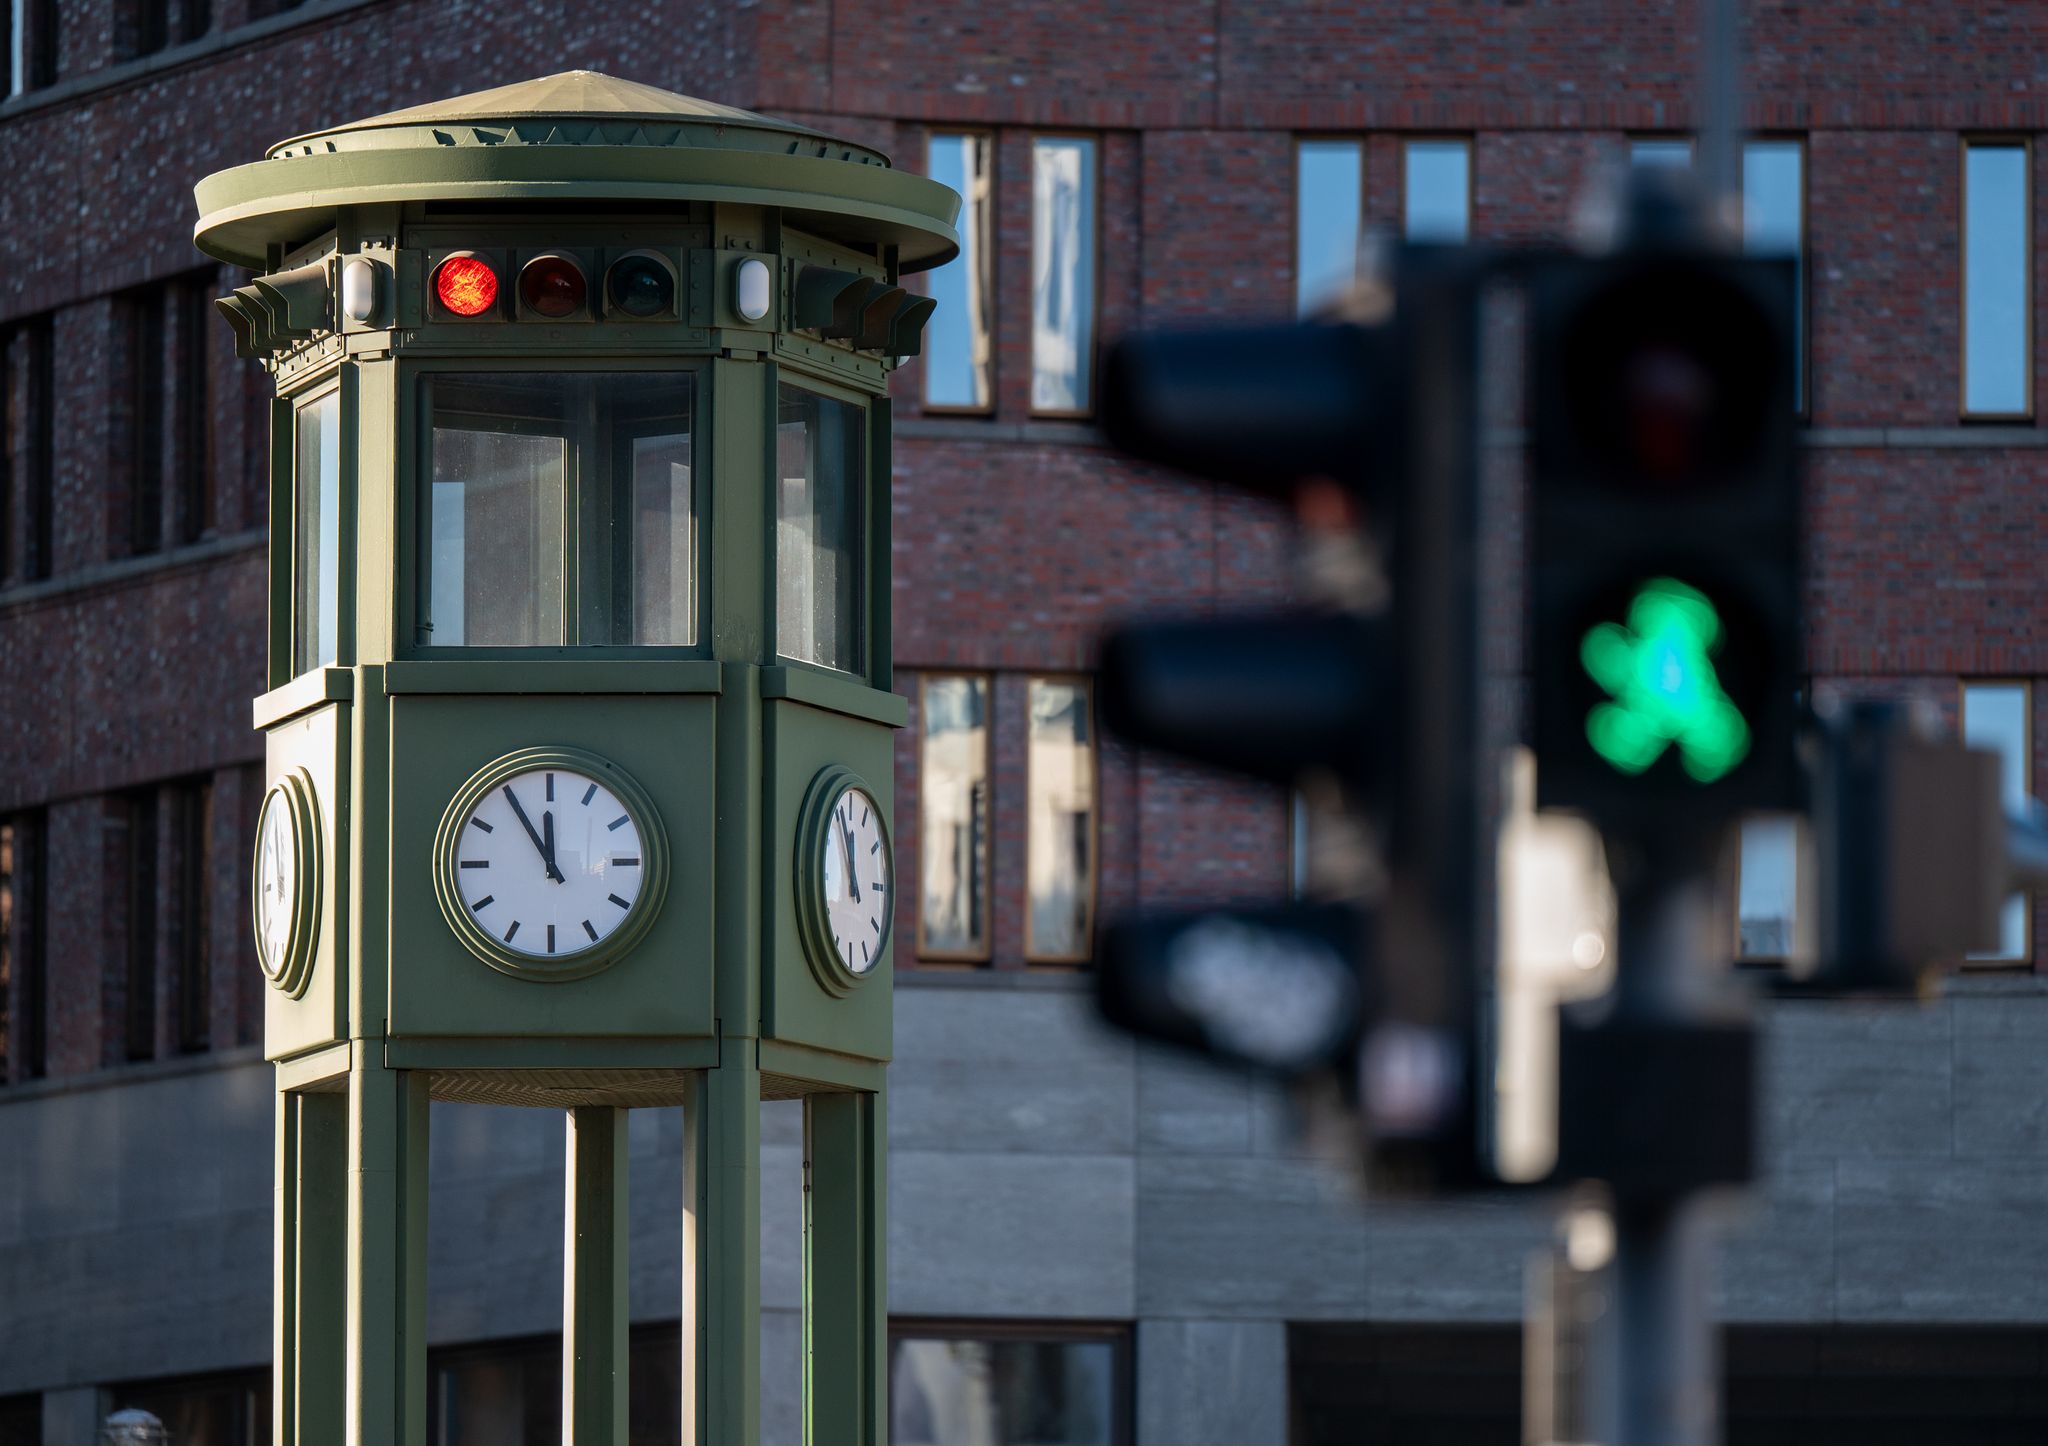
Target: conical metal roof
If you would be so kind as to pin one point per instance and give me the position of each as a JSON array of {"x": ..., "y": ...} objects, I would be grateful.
[
  {"x": 571, "y": 93},
  {"x": 577, "y": 137}
]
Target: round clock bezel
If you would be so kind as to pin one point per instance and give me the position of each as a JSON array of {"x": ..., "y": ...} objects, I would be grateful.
[
  {"x": 813, "y": 922},
  {"x": 294, "y": 972},
  {"x": 592, "y": 958}
]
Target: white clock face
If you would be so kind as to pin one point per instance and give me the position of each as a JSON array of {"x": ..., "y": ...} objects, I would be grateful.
[
  {"x": 277, "y": 881},
  {"x": 550, "y": 862},
  {"x": 855, "y": 866}
]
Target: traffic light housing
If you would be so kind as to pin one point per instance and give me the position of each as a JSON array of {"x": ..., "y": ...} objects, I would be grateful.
[
  {"x": 1378, "y": 692},
  {"x": 1666, "y": 537}
]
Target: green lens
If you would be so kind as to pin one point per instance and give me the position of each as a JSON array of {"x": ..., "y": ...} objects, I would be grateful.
[
  {"x": 640, "y": 286},
  {"x": 1664, "y": 692}
]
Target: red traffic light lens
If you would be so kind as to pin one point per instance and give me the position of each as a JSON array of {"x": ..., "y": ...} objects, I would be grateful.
[
  {"x": 552, "y": 286},
  {"x": 466, "y": 285},
  {"x": 640, "y": 285}
]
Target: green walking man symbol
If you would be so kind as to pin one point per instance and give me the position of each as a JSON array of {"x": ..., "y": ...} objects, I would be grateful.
[{"x": 1659, "y": 673}]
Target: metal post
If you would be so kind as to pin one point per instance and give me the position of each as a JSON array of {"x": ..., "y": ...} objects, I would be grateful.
[
  {"x": 722, "y": 1252},
  {"x": 1656, "y": 1334},
  {"x": 594, "y": 1285},
  {"x": 386, "y": 1392},
  {"x": 845, "y": 1311}
]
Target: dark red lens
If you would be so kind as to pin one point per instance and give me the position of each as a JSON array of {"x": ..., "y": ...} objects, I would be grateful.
[{"x": 552, "y": 286}]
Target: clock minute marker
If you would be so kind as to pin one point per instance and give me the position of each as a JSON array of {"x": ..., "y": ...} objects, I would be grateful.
[
  {"x": 590, "y": 931},
  {"x": 588, "y": 794},
  {"x": 622, "y": 903},
  {"x": 481, "y": 904},
  {"x": 511, "y": 931}
]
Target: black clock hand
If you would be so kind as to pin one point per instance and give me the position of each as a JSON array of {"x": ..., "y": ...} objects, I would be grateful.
[
  {"x": 547, "y": 832},
  {"x": 527, "y": 824},
  {"x": 852, "y": 869}
]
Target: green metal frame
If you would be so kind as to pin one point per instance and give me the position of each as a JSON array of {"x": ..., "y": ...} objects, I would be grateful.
[{"x": 578, "y": 963}]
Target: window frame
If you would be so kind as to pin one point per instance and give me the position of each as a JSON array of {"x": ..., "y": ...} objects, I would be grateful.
[
  {"x": 413, "y": 509},
  {"x": 1120, "y": 1336},
  {"x": 1464, "y": 138},
  {"x": 284, "y": 539},
  {"x": 1086, "y": 956},
  {"x": 1300, "y": 139},
  {"x": 871, "y": 510},
  {"x": 925, "y": 954},
  {"x": 2024, "y": 959},
  {"x": 1804, "y": 410},
  {"x": 992, "y": 311},
  {"x": 2024, "y": 144},
  {"x": 1093, "y": 367}
]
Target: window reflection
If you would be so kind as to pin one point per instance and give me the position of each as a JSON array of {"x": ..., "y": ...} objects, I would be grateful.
[
  {"x": 820, "y": 485},
  {"x": 1062, "y": 273},
  {"x": 956, "y": 364},
  {"x": 1995, "y": 362},
  {"x": 1774, "y": 222},
  {"x": 996, "y": 1392},
  {"x": 561, "y": 510},
  {"x": 1995, "y": 717},
  {"x": 1060, "y": 821},
  {"x": 216, "y": 1411},
  {"x": 1436, "y": 201},
  {"x": 316, "y": 564},
  {"x": 1329, "y": 204},
  {"x": 1660, "y": 151},
  {"x": 1768, "y": 888},
  {"x": 953, "y": 836}
]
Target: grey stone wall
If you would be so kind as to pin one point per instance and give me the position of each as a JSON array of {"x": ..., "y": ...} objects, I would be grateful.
[{"x": 1040, "y": 1167}]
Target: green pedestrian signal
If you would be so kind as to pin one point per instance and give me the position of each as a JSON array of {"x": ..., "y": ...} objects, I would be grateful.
[{"x": 1659, "y": 673}]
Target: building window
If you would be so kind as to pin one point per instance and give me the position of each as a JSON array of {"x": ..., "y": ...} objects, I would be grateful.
[
  {"x": 1062, "y": 274},
  {"x": 1329, "y": 212},
  {"x": 1660, "y": 151},
  {"x": 1767, "y": 891},
  {"x": 1774, "y": 224},
  {"x": 191, "y": 913},
  {"x": 141, "y": 857},
  {"x": 1436, "y": 191},
  {"x": 1995, "y": 717},
  {"x": 145, "y": 441},
  {"x": 192, "y": 406},
  {"x": 953, "y": 791},
  {"x": 27, "y": 367},
  {"x": 24, "y": 973},
  {"x": 1997, "y": 296},
  {"x": 226, "y": 1410},
  {"x": 991, "y": 1383},
  {"x": 316, "y": 561},
  {"x": 957, "y": 349},
  {"x": 821, "y": 489},
  {"x": 509, "y": 1393},
  {"x": 1059, "y": 838},
  {"x": 562, "y": 510},
  {"x": 21, "y": 1420},
  {"x": 31, "y": 44}
]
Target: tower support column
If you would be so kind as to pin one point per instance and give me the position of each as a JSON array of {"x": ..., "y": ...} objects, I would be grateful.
[
  {"x": 722, "y": 1251},
  {"x": 846, "y": 1324},
  {"x": 386, "y": 1387}
]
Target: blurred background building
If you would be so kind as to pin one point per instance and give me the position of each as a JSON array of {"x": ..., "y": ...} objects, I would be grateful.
[{"x": 1089, "y": 1243}]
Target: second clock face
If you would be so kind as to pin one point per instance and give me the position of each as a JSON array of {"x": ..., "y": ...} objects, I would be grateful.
[
  {"x": 277, "y": 883},
  {"x": 855, "y": 871},
  {"x": 550, "y": 862}
]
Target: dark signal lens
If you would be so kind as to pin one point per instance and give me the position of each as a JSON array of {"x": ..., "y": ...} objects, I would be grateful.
[
  {"x": 466, "y": 285},
  {"x": 640, "y": 285},
  {"x": 552, "y": 286}
]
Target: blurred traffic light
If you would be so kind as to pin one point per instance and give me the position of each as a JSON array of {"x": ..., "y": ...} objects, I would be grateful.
[
  {"x": 1665, "y": 521},
  {"x": 1375, "y": 693}
]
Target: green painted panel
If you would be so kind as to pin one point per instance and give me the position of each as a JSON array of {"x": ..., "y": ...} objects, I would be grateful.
[
  {"x": 663, "y": 987},
  {"x": 802, "y": 742},
  {"x": 317, "y": 742}
]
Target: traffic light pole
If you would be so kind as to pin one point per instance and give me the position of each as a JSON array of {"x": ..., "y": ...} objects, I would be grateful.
[{"x": 1656, "y": 1333}]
